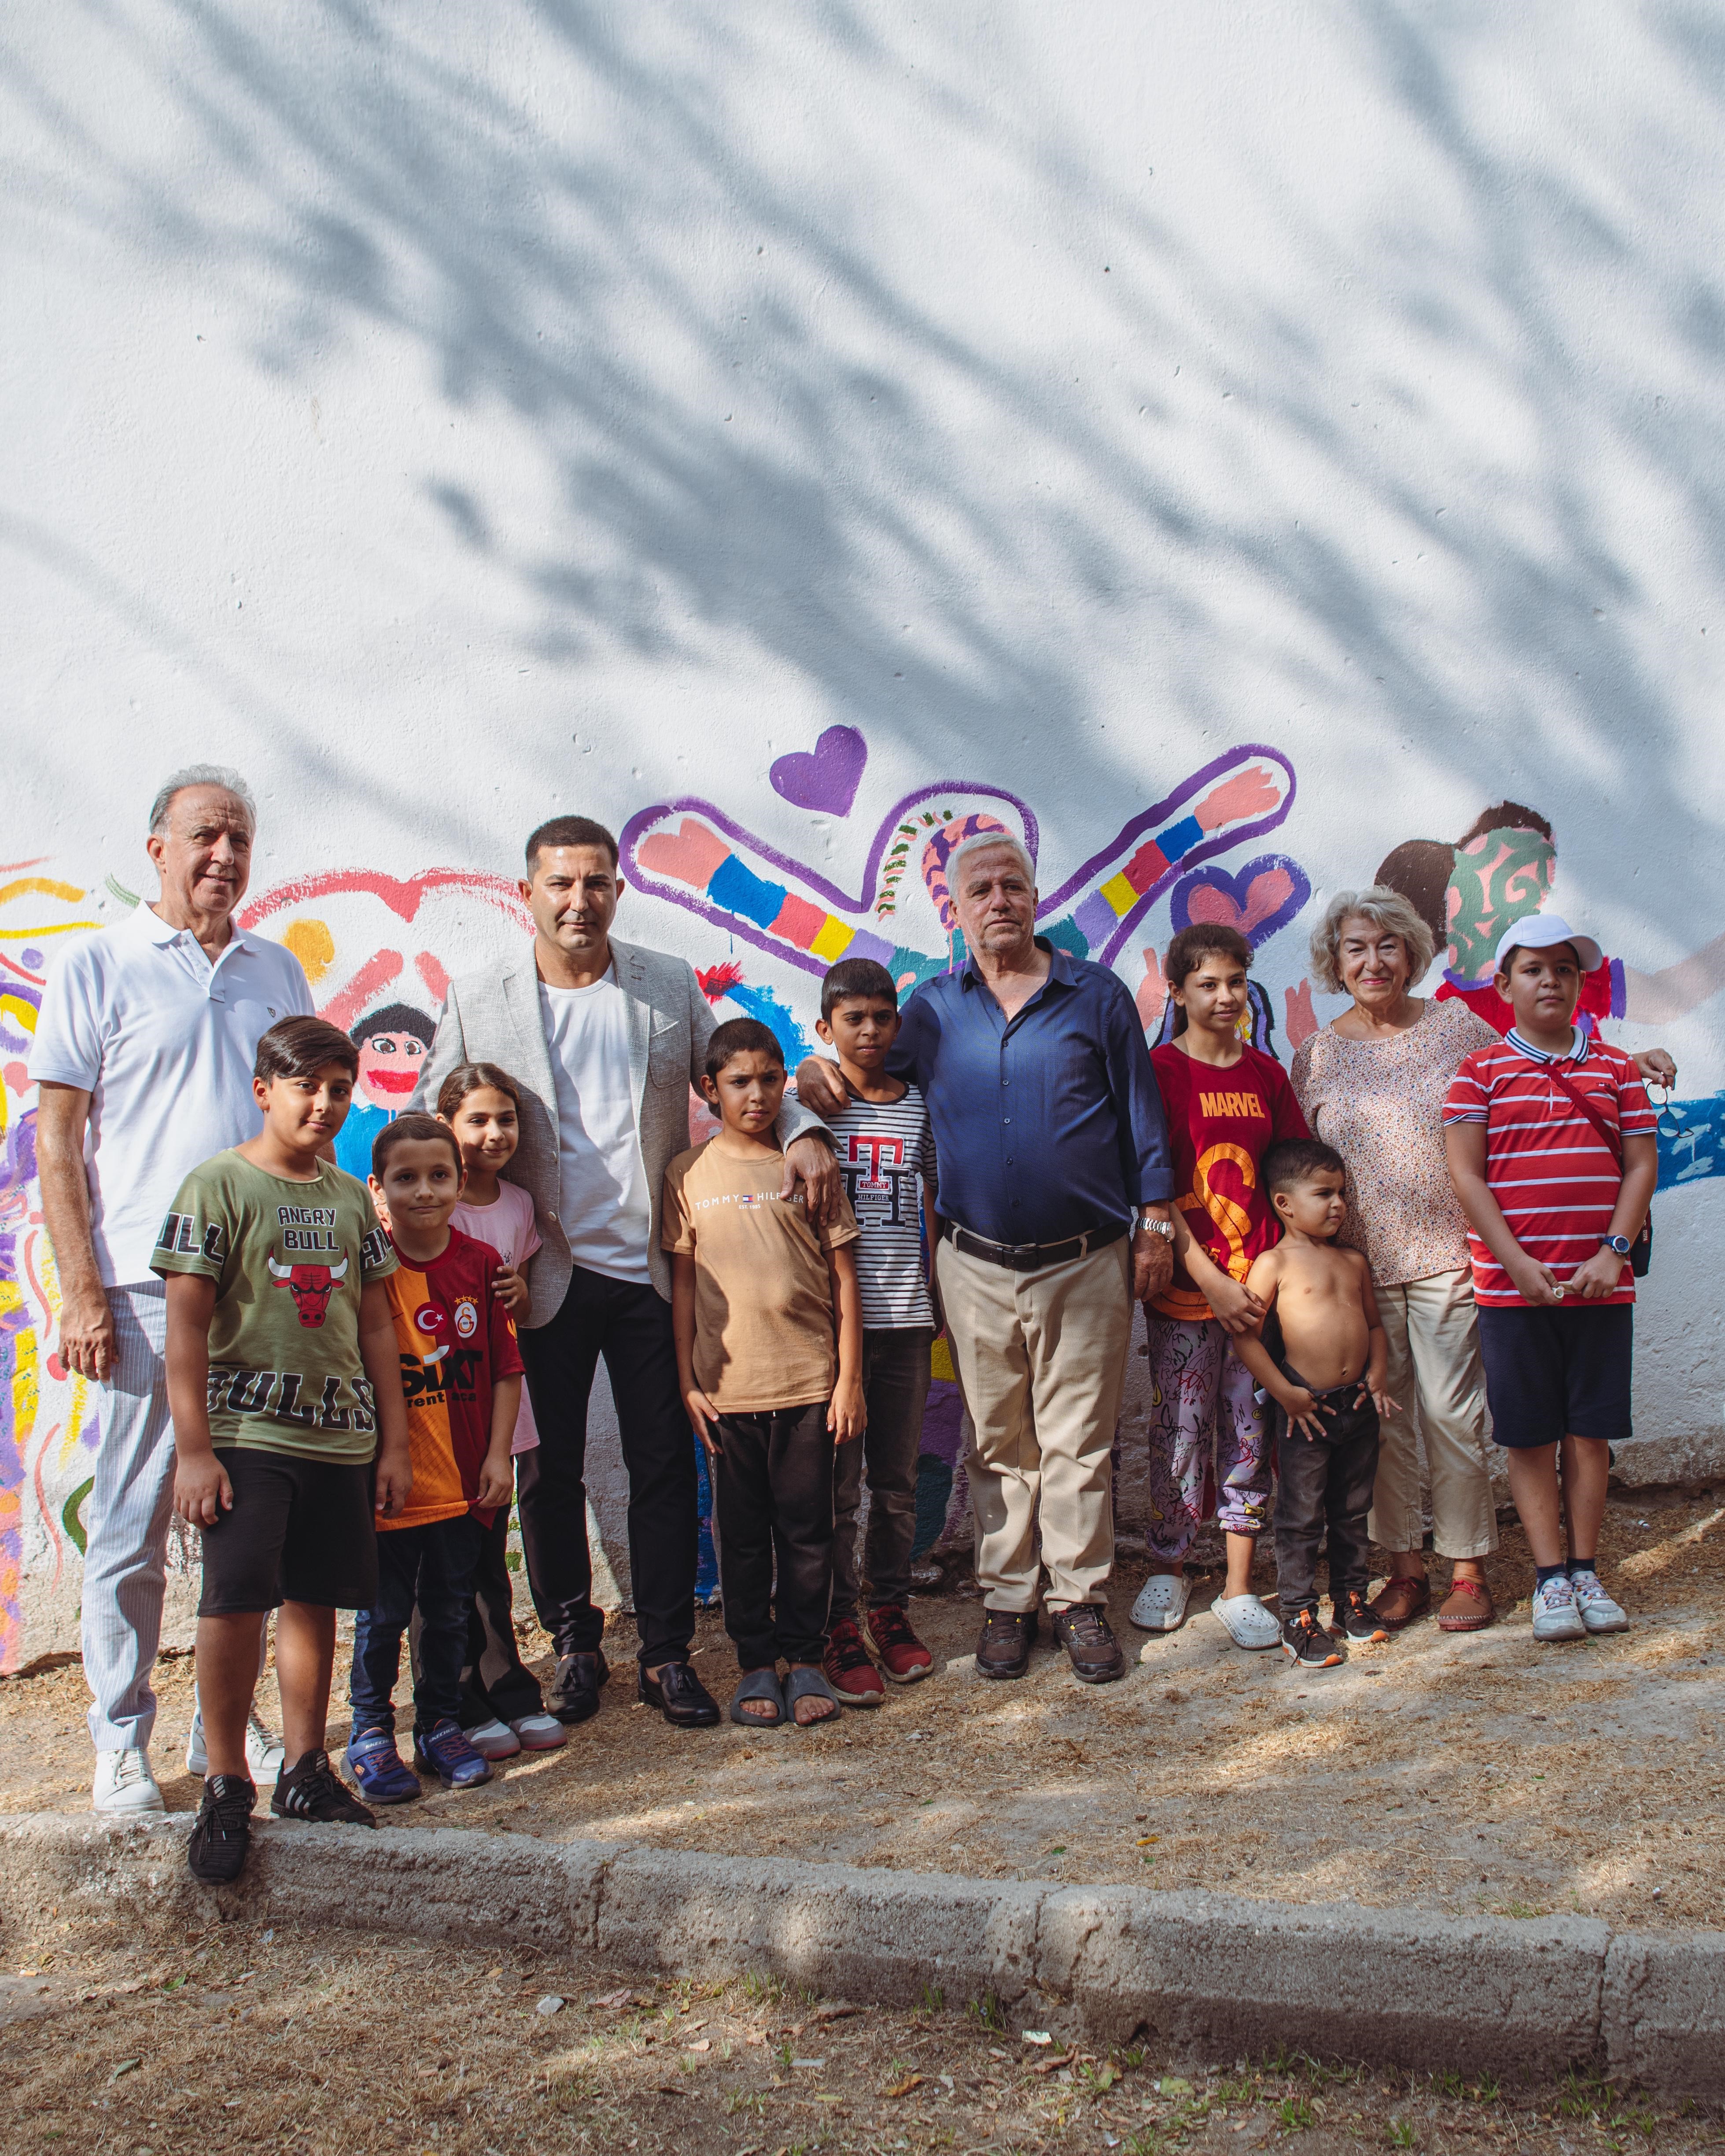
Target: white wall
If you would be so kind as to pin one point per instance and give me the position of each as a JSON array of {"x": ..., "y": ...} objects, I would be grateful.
[{"x": 453, "y": 415}]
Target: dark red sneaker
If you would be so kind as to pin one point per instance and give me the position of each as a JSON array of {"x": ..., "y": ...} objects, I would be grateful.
[
  {"x": 904, "y": 1655},
  {"x": 848, "y": 1670}
]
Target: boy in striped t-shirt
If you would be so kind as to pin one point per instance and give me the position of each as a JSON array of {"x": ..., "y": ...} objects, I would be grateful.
[
  {"x": 1550, "y": 1137},
  {"x": 885, "y": 1151}
]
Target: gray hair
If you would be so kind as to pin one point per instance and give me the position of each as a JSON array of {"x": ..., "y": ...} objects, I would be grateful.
[
  {"x": 980, "y": 842},
  {"x": 1389, "y": 913},
  {"x": 199, "y": 774}
]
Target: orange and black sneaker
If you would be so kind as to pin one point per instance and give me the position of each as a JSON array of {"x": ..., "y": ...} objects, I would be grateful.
[
  {"x": 1305, "y": 1643},
  {"x": 848, "y": 1670},
  {"x": 903, "y": 1654},
  {"x": 1351, "y": 1619}
]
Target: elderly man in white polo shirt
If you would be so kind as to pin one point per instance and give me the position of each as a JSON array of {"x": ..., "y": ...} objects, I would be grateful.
[{"x": 143, "y": 1061}]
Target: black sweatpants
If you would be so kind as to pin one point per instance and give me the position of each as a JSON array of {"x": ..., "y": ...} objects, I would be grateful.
[
  {"x": 496, "y": 1685},
  {"x": 1325, "y": 1482},
  {"x": 773, "y": 1500},
  {"x": 630, "y": 1326},
  {"x": 894, "y": 1391}
]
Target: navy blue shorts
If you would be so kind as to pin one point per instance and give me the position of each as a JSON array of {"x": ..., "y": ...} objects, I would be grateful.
[{"x": 1557, "y": 1373}]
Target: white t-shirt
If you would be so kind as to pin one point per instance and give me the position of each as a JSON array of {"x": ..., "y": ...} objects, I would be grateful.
[
  {"x": 163, "y": 1042},
  {"x": 607, "y": 1210},
  {"x": 508, "y": 1227}
]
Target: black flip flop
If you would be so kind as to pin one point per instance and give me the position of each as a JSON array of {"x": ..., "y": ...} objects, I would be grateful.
[
  {"x": 758, "y": 1684},
  {"x": 809, "y": 1684}
]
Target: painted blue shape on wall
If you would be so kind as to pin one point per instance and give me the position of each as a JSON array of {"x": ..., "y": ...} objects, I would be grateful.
[
  {"x": 706, "y": 1559},
  {"x": 776, "y": 1015}
]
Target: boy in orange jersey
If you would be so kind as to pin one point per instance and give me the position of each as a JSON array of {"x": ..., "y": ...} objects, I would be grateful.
[{"x": 461, "y": 1373}]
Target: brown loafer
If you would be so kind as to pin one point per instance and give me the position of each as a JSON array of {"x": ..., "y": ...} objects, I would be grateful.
[
  {"x": 1405, "y": 1598},
  {"x": 1468, "y": 1607},
  {"x": 1004, "y": 1651}
]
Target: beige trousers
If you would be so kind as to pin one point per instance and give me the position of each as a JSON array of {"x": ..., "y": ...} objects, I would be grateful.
[
  {"x": 1435, "y": 1358},
  {"x": 1041, "y": 1362}
]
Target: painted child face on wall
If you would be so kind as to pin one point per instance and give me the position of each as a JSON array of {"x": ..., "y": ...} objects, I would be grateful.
[
  {"x": 1498, "y": 878},
  {"x": 389, "y": 1067}
]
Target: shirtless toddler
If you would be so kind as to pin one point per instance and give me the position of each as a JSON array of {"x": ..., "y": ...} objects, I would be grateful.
[{"x": 1319, "y": 1351}]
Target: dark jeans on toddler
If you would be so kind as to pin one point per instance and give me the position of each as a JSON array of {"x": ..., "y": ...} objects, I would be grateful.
[
  {"x": 429, "y": 1568},
  {"x": 1326, "y": 1482},
  {"x": 772, "y": 1502},
  {"x": 496, "y": 1685},
  {"x": 896, "y": 1390}
]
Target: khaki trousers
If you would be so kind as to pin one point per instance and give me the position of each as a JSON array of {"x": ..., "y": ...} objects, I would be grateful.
[
  {"x": 1041, "y": 1362},
  {"x": 1435, "y": 1358}
]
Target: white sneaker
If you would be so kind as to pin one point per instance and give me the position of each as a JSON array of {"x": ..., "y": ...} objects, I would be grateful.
[
  {"x": 124, "y": 1783},
  {"x": 1161, "y": 1606},
  {"x": 540, "y": 1732},
  {"x": 1598, "y": 1612},
  {"x": 1246, "y": 1621},
  {"x": 1555, "y": 1615},
  {"x": 265, "y": 1754},
  {"x": 493, "y": 1739}
]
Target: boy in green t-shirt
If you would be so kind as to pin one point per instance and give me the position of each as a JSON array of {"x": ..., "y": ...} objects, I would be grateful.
[{"x": 284, "y": 1386}]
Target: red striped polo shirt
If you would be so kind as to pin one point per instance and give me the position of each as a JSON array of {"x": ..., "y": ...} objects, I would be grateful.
[{"x": 1549, "y": 1169}]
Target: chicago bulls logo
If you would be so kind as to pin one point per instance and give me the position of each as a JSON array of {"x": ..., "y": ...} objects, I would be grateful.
[{"x": 309, "y": 1286}]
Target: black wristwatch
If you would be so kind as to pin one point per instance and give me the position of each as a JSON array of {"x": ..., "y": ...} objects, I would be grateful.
[{"x": 1619, "y": 1244}]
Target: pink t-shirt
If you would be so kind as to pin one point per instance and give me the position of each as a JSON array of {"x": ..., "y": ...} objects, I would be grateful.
[{"x": 508, "y": 1227}]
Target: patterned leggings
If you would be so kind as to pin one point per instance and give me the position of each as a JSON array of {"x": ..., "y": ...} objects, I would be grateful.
[{"x": 1203, "y": 1387}]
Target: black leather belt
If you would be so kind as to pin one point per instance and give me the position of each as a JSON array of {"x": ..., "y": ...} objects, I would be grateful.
[{"x": 1032, "y": 1257}]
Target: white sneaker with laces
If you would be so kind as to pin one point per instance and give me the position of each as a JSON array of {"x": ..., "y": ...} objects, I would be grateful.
[
  {"x": 1598, "y": 1612},
  {"x": 1555, "y": 1615},
  {"x": 124, "y": 1783},
  {"x": 493, "y": 1739},
  {"x": 1246, "y": 1621},
  {"x": 265, "y": 1755},
  {"x": 540, "y": 1732},
  {"x": 1161, "y": 1606}
]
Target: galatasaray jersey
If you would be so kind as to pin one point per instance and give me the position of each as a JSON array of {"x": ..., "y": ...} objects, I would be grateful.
[{"x": 456, "y": 1342}]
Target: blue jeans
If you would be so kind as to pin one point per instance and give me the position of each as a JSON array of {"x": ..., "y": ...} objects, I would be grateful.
[{"x": 431, "y": 1568}]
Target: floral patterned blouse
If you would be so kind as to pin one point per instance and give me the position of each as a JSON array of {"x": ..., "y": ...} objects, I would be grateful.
[{"x": 1379, "y": 1104}]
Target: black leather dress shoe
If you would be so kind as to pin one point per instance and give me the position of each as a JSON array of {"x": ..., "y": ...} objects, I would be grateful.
[
  {"x": 681, "y": 1696},
  {"x": 575, "y": 1692}
]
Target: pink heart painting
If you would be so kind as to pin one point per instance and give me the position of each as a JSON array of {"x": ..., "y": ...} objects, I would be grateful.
[
  {"x": 826, "y": 776},
  {"x": 1266, "y": 893}
]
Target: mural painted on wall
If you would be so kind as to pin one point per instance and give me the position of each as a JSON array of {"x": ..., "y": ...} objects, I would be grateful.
[{"x": 379, "y": 950}]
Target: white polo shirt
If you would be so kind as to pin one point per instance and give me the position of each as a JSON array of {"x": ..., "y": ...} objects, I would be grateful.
[{"x": 164, "y": 1042}]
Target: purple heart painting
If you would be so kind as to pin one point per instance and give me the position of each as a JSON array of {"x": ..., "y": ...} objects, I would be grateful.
[
  {"x": 826, "y": 776},
  {"x": 1256, "y": 901}
]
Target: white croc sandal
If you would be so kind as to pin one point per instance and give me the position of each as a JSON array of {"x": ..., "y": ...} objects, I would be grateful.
[
  {"x": 1161, "y": 1606},
  {"x": 1246, "y": 1621}
]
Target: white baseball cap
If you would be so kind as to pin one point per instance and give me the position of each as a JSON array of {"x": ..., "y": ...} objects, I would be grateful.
[{"x": 1539, "y": 931}]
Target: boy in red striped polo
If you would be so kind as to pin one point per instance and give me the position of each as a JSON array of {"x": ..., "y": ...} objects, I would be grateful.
[{"x": 1550, "y": 1137}]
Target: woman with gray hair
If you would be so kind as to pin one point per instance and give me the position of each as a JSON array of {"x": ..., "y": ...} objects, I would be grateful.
[{"x": 1372, "y": 1084}]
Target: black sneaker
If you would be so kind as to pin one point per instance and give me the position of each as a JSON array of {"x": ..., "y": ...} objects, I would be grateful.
[
  {"x": 1351, "y": 1619},
  {"x": 216, "y": 1851},
  {"x": 312, "y": 1790},
  {"x": 1305, "y": 1643}
]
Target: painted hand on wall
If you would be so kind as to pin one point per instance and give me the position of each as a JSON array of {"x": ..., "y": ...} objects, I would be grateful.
[{"x": 691, "y": 853}]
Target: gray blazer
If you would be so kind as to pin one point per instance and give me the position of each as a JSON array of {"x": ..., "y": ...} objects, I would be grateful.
[{"x": 494, "y": 1018}]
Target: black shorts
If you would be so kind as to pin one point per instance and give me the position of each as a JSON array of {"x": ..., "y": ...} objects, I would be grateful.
[
  {"x": 300, "y": 1530},
  {"x": 1557, "y": 1373}
]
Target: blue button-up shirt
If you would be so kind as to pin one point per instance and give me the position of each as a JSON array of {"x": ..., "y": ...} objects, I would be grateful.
[{"x": 1047, "y": 1123}]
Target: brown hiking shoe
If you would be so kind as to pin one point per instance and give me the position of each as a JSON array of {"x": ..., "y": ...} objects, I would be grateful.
[
  {"x": 1004, "y": 1651},
  {"x": 1094, "y": 1651}
]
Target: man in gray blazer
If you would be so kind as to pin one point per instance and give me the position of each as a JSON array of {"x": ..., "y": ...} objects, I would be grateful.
[{"x": 604, "y": 1039}]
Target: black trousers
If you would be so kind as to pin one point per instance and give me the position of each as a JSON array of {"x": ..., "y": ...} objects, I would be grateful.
[
  {"x": 496, "y": 1685},
  {"x": 895, "y": 1391},
  {"x": 1326, "y": 1484},
  {"x": 772, "y": 1499},
  {"x": 630, "y": 1326}
]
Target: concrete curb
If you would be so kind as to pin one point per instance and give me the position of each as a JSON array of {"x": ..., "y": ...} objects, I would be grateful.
[{"x": 1200, "y": 1973}]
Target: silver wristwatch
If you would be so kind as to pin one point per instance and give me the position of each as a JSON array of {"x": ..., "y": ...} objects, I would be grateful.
[{"x": 1152, "y": 1224}]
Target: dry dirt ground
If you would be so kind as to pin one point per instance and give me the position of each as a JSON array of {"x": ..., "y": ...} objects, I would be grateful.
[
  {"x": 1455, "y": 1772},
  {"x": 240, "y": 2038}
]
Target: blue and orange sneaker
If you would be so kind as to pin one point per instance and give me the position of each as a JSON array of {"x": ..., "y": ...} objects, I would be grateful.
[
  {"x": 446, "y": 1753},
  {"x": 382, "y": 1775}
]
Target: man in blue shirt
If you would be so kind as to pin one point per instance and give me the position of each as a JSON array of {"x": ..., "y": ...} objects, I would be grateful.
[{"x": 1055, "y": 1186}]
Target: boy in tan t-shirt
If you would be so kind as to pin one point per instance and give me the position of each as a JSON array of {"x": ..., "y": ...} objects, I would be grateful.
[{"x": 768, "y": 1325}]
